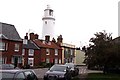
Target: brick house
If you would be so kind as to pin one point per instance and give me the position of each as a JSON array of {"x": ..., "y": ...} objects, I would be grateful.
[
  {"x": 30, "y": 52},
  {"x": 10, "y": 45},
  {"x": 50, "y": 51}
]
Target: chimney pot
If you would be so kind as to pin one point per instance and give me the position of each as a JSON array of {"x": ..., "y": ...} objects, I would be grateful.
[{"x": 47, "y": 38}]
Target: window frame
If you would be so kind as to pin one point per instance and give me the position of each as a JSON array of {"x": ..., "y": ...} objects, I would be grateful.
[
  {"x": 31, "y": 51},
  {"x": 47, "y": 51},
  {"x": 47, "y": 60},
  {"x": 2, "y": 46},
  {"x": 56, "y": 52},
  {"x": 17, "y": 47},
  {"x": 23, "y": 51}
]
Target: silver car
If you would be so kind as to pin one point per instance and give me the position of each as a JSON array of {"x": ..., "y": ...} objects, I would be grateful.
[{"x": 18, "y": 75}]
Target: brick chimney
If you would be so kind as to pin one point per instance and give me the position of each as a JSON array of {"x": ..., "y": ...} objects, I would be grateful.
[
  {"x": 25, "y": 40},
  {"x": 47, "y": 38},
  {"x": 26, "y": 37},
  {"x": 32, "y": 36},
  {"x": 53, "y": 40},
  {"x": 59, "y": 40},
  {"x": 36, "y": 36}
]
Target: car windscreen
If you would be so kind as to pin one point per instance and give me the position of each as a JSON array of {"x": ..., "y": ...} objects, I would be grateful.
[
  {"x": 58, "y": 68},
  {"x": 7, "y": 76}
]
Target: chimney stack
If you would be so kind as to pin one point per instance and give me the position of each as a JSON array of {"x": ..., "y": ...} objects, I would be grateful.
[
  {"x": 26, "y": 37},
  {"x": 32, "y": 36},
  {"x": 25, "y": 40},
  {"x": 47, "y": 38},
  {"x": 53, "y": 40},
  {"x": 60, "y": 39},
  {"x": 36, "y": 36}
]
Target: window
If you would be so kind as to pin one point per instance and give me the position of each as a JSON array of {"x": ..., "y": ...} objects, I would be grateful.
[
  {"x": 4, "y": 60},
  {"x": 56, "y": 51},
  {"x": 51, "y": 12},
  {"x": 31, "y": 61},
  {"x": 59, "y": 61},
  {"x": 16, "y": 47},
  {"x": 47, "y": 52},
  {"x": 2, "y": 46},
  {"x": 23, "y": 51},
  {"x": 56, "y": 60},
  {"x": 31, "y": 52},
  {"x": 45, "y": 22},
  {"x": 47, "y": 60},
  {"x": 17, "y": 58},
  {"x": 71, "y": 51},
  {"x": 20, "y": 76}
]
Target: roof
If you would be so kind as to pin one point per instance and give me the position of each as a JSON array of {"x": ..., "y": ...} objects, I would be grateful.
[
  {"x": 30, "y": 45},
  {"x": 8, "y": 31},
  {"x": 44, "y": 44}
]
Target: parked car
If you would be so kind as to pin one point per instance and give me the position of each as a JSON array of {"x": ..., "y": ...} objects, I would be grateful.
[
  {"x": 73, "y": 68},
  {"x": 57, "y": 71},
  {"x": 8, "y": 66},
  {"x": 18, "y": 75}
]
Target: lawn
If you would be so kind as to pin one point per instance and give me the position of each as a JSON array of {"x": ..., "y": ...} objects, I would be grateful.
[{"x": 100, "y": 76}]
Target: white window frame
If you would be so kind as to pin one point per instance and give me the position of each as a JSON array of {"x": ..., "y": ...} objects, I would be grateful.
[
  {"x": 56, "y": 60},
  {"x": 23, "y": 51},
  {"x": 60, "y": 61},
  {"x": 2, "y": 46},
  {"x": 47, "y": 60},
  {"x": 47, "y": 51},
  {"x": 71, "y": 51},
  {"x": 19, "y": 59},
  {"x": 31, "y": 52},
  {"x": 31, "y": 61},
  {"x": 4, "y": 60},
  {"x": 16, "y": 47},
  {"x": 56, "y": 52}
]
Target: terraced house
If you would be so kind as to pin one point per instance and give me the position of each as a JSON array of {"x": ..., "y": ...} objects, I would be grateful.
[
  {"x": 10, "y": 45},
  {"x": 50, "y": 51},
  {"x": 30, "y": 52}
]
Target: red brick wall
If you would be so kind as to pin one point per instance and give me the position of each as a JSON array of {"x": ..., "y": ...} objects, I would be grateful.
[
  {"x": 10, "y": 49},
  {"x": 51, "y": 56}
]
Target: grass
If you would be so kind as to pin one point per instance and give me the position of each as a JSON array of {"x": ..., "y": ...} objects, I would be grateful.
[{"x": 100, "y": 76}]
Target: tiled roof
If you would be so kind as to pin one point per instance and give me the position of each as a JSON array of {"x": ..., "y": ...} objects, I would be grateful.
[
  {"x": 30, "y": 45},
  {"x": 8, "y": 31},
  {"x": 43, "y": 43}
]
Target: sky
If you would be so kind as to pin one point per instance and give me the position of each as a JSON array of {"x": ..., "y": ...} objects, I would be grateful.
[{"x": 76, "y": 20}]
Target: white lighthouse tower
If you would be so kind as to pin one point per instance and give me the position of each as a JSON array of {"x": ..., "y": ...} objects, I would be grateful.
[{"x": 48, "y": 23}]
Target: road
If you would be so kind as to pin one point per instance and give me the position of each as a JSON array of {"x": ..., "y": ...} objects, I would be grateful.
[{"x": 82, "y": 71}]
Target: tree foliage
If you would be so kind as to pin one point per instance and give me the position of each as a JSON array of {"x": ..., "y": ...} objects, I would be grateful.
[{"x": 102, "y": 52}]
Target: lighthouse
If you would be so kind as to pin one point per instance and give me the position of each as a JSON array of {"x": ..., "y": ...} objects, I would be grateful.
[{"x": 48, "y": 23}]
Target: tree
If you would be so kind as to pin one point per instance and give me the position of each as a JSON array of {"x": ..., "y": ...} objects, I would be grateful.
[{"x": 99, "y": 52}]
